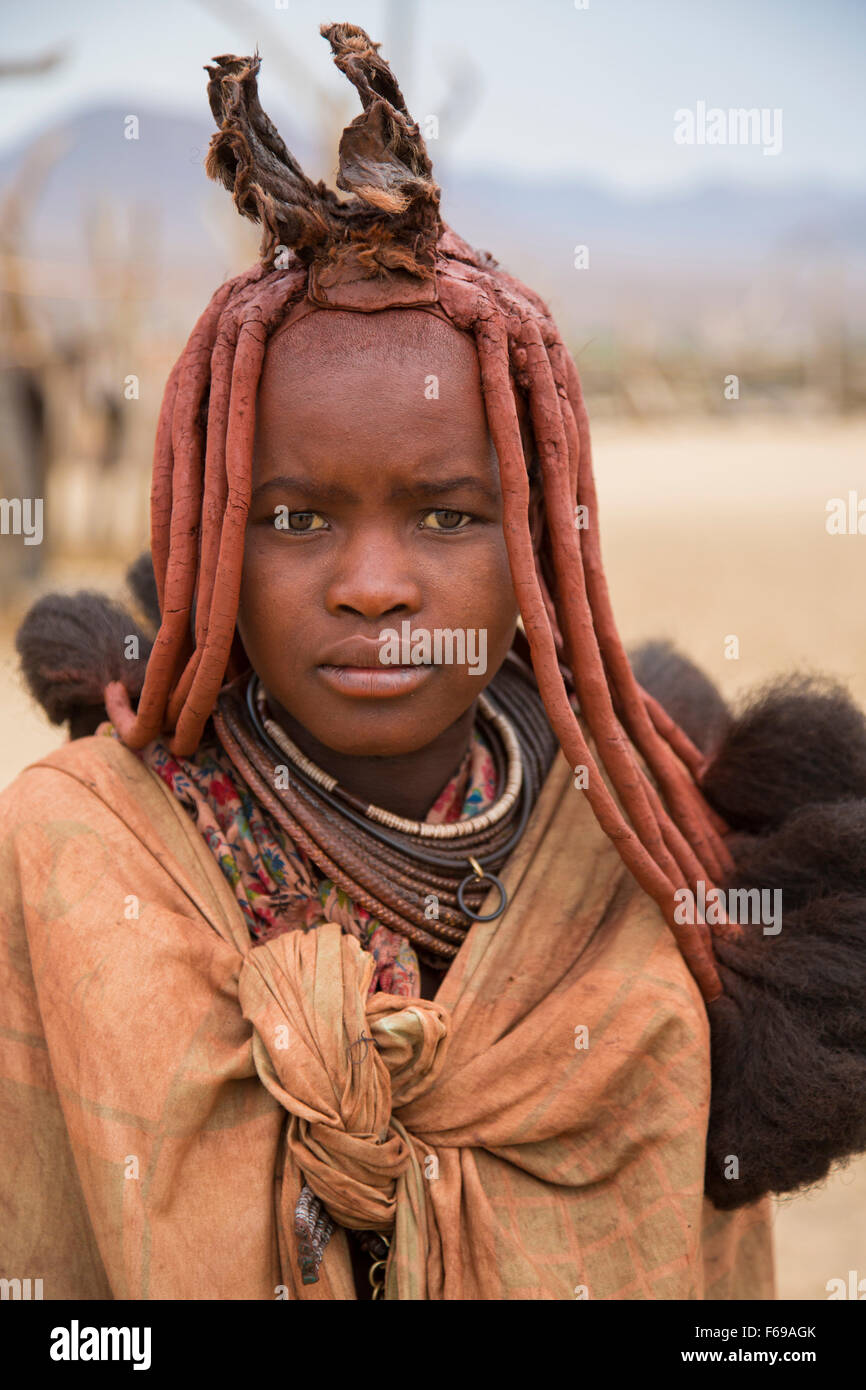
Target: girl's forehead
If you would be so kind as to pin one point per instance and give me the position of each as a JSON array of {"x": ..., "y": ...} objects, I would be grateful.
[
  {"x": 315, "y": 342},
  {"x": 311, "y": 330},
  {"x": 344, "y": 386}
]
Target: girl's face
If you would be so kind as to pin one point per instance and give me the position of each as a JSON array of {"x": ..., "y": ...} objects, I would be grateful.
[{"x": 375, "y": 503}]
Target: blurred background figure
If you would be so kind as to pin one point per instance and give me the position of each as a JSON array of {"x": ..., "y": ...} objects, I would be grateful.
[{"x": 712, "y": 292}]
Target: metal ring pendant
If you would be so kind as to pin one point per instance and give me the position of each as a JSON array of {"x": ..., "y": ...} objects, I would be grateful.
[{"x": 481, "y": 878}]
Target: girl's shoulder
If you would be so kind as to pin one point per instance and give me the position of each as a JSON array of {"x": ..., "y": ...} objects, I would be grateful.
[
  {"x": 80, "y": 773},
  {"x": 92, "y": 823},
  {"x": 91, "y": 790}
]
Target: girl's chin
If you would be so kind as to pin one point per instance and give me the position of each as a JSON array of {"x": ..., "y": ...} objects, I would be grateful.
[{"x": 379, "y": 735}]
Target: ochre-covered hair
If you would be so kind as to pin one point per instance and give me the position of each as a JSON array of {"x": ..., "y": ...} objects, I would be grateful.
[{"x": 385, "y": 246}]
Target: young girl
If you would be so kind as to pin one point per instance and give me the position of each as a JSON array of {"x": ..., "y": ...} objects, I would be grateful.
[{"x": 326, "y": 975}]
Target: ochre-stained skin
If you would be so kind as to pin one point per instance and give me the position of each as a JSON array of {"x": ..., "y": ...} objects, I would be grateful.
[{"x": 669, "y": 838}]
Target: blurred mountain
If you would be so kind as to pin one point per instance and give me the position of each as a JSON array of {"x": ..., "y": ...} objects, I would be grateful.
[{"x": 739, "y": 258}]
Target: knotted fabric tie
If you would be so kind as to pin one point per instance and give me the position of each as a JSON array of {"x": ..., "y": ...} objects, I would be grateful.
[{"x": 339, "y": 1065}]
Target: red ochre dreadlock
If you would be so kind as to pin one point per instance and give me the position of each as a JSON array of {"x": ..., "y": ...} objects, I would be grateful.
[{"x": 382, "y": 247}]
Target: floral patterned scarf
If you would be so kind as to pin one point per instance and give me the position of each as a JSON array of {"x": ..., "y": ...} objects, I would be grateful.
[{"x": 277, "y": 886}]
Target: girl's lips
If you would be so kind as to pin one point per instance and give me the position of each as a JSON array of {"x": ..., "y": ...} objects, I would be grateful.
[{"x": 374, "y": 682}]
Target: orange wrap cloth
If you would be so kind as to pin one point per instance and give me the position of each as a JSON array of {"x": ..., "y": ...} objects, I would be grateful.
[{"x": 167, "y": 1088}]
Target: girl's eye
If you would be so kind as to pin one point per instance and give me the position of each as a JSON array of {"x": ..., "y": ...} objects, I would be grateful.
[
  {"x": 447, "y": 520},
  {"x": 304, "y": 521}
]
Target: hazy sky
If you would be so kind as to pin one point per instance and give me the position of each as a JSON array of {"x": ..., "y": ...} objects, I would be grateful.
[{"x": 588, "y": 91}]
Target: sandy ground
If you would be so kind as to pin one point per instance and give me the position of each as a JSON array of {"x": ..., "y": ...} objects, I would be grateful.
[{"x": 711, "y": 531}]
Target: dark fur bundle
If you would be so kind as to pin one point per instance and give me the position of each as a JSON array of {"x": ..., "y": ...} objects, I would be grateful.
[
  {"x": 788, "y": 1036},
  {"x": 801, "y": 740},
  {"x": 71, "y": 645},
  {"x": 789, "y": 1033}
]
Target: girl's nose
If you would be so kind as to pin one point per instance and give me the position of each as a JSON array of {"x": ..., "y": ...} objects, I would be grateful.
[{"x": 373, "y": 581}]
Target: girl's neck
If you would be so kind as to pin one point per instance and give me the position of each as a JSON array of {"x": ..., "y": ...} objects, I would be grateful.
[{"x": 408, "y": 784}]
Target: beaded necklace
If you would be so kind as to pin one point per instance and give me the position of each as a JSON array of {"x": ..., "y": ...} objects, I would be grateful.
[{"x": 394, "y": 868}]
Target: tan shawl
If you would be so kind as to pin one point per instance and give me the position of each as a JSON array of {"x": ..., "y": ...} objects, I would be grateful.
[{"x": 166, "y": 1088}]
